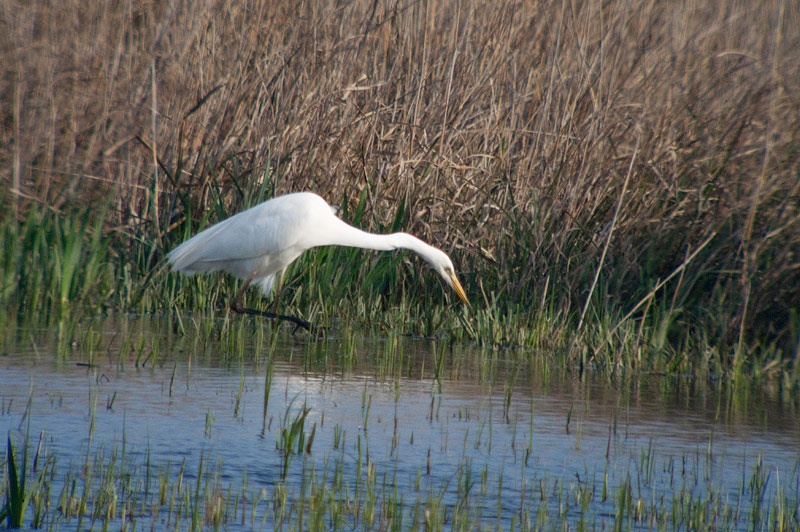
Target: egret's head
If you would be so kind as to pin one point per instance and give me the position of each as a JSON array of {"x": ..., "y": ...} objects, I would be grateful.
[{"x": 442, "y": 264}]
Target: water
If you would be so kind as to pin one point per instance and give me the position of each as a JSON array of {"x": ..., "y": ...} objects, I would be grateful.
[{"x": 495, "y": 440}]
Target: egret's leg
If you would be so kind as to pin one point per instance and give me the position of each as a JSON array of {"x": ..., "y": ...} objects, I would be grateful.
[
  {"x": 278, "y": 285},
  {"x": 236, "y": 307}
]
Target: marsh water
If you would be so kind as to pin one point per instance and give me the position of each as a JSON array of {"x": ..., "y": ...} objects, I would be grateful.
[{"x": 508, "y": 436}]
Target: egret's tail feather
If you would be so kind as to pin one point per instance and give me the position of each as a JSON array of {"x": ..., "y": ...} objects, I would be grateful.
[
  {"x": 265, "y": 284},
  {"x": 189, "y": 258}
]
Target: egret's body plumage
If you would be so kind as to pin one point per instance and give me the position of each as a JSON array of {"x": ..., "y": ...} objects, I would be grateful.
[{"x": 259, "y": 243}]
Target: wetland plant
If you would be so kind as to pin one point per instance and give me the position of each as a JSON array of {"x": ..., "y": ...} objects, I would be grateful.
[
  {"x": 16, "y": 494},
  {"x": 24, "y": 487},
  {"x": 292, "y": 438}
]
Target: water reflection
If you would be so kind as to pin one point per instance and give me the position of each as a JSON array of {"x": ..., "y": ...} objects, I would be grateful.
[{"x": 426, "y": 418}]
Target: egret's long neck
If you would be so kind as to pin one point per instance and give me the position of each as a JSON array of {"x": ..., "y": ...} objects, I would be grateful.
[{"x": 343, "y": 234}]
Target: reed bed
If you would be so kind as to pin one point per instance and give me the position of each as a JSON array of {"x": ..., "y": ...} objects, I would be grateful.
[{"x": 617, "y": 181}]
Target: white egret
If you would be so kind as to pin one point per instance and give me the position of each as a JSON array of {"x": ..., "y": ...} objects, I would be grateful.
[{"x": 259, "y": 243}]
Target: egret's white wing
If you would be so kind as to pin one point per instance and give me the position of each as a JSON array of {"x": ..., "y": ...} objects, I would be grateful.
[{"x": 262, "y": 239}]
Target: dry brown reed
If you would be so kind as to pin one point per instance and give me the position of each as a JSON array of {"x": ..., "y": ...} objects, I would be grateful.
[{"x": 508, "y": 127}]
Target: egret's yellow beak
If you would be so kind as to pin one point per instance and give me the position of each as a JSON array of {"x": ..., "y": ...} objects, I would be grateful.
[{"x": 458, "y": 288}]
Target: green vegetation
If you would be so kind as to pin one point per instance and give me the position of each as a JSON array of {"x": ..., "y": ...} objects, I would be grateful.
[
  {"x": 18, "y": 491},
  {"x": 116, "y": 490},
  {"x": 617, "y": 182},
  {"x": 16, "y": 496}
]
